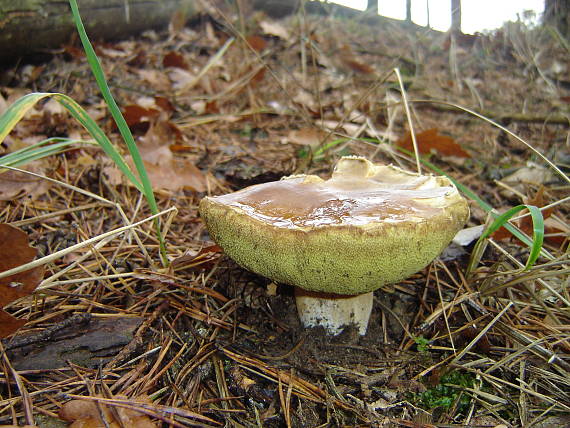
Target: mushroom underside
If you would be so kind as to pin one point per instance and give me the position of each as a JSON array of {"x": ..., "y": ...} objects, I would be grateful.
[{"x": 341, "y": 260}]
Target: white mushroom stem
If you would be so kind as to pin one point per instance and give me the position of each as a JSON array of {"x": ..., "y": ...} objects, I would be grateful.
[{"x": 334, "y": 311}]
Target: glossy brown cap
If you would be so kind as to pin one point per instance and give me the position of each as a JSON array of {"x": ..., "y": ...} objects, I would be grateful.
[{"x": 365, "y": 227}]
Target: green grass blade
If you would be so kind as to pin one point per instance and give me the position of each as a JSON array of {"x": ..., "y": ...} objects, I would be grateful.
[
  {"x": 502, "y": 221},
  {"x": 124, "y": 130},
  {"x": 321, "y": 150},
  {"x": 515, "y": 231},
  {"x": 45, "y": 148},
  {"x": 17, "y": 110},
  {"x": 534, "y": 244}
]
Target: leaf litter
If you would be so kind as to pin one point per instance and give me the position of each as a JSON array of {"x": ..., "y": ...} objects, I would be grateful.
[{"x": 211, "y": 344}]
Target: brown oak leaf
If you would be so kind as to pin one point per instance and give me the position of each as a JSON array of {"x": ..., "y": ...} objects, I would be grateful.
[
  {"x": 15, "y": 251},
  {"x": 430, "y": 140}
]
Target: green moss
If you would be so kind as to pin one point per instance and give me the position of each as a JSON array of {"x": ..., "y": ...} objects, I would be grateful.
[
  {"x": 447, "y": 393},
  {"x": 422, "y": 344}
]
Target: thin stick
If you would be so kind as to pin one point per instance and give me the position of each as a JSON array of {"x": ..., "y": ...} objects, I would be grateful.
[
  {"x": 61, "y": 253},
  {"x": 502, "y": 128},
  {"x": 43, "y": 217},
  {"x": 409, "y": 117},
  {"x": 481, "y": 334}
]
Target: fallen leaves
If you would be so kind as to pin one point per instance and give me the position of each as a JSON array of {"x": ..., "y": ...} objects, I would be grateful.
[
  {"x": 190, "y": 259},
  {"x": 308, "y": 137},
  {"x": 90, "y": 414},
  {"x": 15, "y": 251},
  {"x": 174, "y": 59},
  {"x": 14, "y": 184},
  {"x": 431, "y": 141},
  {"x": 257, "y": 43},
  {"x": 530, "y": 174},
  {"x": 160, "y": 135},
  {"x": 139, "y": 117},
  {"x": 165, "y": 171},
  {"x": 274, "y": 28},
  {"x": 349, "y": 61}
]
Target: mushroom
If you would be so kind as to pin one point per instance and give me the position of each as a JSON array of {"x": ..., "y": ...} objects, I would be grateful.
[{"x": 338, "y": 240}]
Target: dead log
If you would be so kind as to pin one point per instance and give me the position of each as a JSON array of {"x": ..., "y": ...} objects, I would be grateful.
[
  {"x": 35, "y": 26},
  {"x": 277, "y": 8},
  {"x": 40, "y": 26}
]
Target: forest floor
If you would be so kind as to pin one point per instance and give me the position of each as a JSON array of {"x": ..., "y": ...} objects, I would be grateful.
[{"x": 222, "y": 104}]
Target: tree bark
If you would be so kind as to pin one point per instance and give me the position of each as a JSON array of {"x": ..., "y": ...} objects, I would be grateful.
[
  {"x": 557, "y": 14},
  {"x": 456, "y": 16},
  {"x": 35, "y": 26},
  {"x": 372, "y": 7},
  {"x": 39, "y": 26},
  {"x": 277, "y": 8},
  {"x": 408, "y": 10}
]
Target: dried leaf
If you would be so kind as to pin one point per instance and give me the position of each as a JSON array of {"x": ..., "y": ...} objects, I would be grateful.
[
  {"x": 175, "y": 175},
  {"x": 164, "y": 171},
  {"x": 430, "y": 140},
  {"x": 257, "y": 43},
  {"x": 158, "y": 80},
  {"x": 136, "y": 115},
  {"x": 14, "y": 184},
  {"x": 257, "y": 77},
  {"x": 531, "y": 173},
  {"x": 164, "y": 103},
  {"x": 348, "y": 60},
  {"x": 89, "y": 414},
  {"x": 306, "y": 99},
  {"x": 54, "y": 107},
  {"x": 15, "y": 251},
  {"x": 211, "y": 107},
  {"x": 193, "y": 259},
  {"x": 311, "y": 137},
  {"x": 174, "y": 59},
  {"x": 276, "y": 29},
  {"x": 181, "y": 79}
]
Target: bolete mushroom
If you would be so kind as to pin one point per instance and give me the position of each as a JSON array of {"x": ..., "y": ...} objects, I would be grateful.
[{"x": 338, "y": 240}]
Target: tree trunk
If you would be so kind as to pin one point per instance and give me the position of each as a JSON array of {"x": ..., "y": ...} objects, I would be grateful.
[
  {"x": 277, "y": 8},
  {"x": 39, "y": 26},
  {"x": 456, "y": 16},
  {"x": 372, "y": 7},
  {"x": 34, "y": 26},
  {"x": 408, "y": 10},
  {"x": 557, "y": 14}
]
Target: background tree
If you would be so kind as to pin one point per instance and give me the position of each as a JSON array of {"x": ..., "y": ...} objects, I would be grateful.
[
  {"x": 456, "y": 16},
  {"x": 408, "y": 10},
  {"x": 557, "y": 14},
  {"x": 372, "y": 6}
]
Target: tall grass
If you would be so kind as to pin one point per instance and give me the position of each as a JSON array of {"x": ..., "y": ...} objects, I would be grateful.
[{"x": 16, "y": 112}]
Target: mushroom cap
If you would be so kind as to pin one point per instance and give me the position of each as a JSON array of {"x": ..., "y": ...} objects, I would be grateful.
[{"x": 365, "y": 227}]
